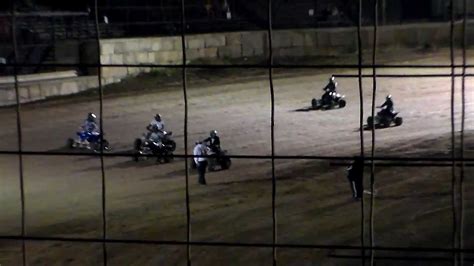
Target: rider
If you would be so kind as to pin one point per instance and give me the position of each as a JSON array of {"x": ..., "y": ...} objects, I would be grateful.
[
  {"x": 157, "y": 125},
  {"x": 90, "y": 127},
  {"x": 157, "y": 121},
  {"x": 329, "y": 89},
  {"x": 387, "y": 106},
  {"x": 90, "y": 124},
  {"x": 214, "y": 142},
  {"x": 154, "y": 142},
  {"x": 154, "y": 134}
]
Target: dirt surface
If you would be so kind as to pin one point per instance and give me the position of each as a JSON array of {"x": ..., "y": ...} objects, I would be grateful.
[{"x": 314, "y": 205}]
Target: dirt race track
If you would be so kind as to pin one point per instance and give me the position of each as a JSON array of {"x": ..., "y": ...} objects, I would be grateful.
[{"x": 314, "y": 206}]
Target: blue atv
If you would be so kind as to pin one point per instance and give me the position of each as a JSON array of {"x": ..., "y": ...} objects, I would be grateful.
[{"x": 88, "y": 140}]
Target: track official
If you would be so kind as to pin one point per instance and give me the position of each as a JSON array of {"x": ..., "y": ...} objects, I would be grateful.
[
  {"x": 201, "y": 162},
  {"x": 355, "y": 174}
]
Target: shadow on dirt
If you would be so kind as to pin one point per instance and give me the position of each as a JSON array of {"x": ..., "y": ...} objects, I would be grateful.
[
  {"x": 304, "y": 109},
  {"x": 78, "y": 154},
  {"x": 368, "y": 128},
  {"x": 309, "y": 109},
  {"x": 416, "y": 196},
  {"x": 131, "y": 163}
]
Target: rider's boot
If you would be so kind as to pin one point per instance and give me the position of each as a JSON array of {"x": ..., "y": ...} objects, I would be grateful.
[{"x": 85, "y": 144}]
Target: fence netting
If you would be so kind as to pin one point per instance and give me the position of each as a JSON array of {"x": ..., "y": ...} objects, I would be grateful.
[{"x": 368, "y": 249}]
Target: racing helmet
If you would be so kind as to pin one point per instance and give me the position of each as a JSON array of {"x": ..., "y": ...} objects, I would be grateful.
[
  {"x": 332, "y": 79},
  {"x": 158, "y": 117},
  {"x": 213, "y": 133},
  {"x": 388, "y": 97},
  {"x": 91, "y": 117}
]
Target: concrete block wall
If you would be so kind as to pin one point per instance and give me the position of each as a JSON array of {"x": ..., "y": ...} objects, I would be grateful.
[
  {"x": 232, "y": 45},
  {"x": 286, "y": 43},
  {"x": 135, "y": 51},
  {"x": 31, "y": 91}
]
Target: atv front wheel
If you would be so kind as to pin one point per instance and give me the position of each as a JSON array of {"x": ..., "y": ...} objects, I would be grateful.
[
  {"x": 106, "y": 145},
  {"x": 398, "y": 121},
  {"x": 97, "y": 146},
  {"x": 173, "y": 145},
  {"x": 342, "y": 103},
  {"x": 226, "y": 163}
]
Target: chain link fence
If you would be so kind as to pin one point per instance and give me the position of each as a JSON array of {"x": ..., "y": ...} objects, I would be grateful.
[{"x": 368, "y": 250}]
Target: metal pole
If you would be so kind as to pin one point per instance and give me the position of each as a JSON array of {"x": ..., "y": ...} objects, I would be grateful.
[{"x": 384, "y": 13}]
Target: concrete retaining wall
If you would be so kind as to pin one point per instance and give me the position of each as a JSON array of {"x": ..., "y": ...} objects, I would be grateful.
[
  {"x": 38, "y": 90},
  {"x": 286, "y": 43}
]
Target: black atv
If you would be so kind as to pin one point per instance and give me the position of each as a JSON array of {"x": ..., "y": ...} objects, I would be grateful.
[
  {"x": 329, "y": 100},
  {"x": 384, "y": 119},
  {"x": 163, "y": 150}
]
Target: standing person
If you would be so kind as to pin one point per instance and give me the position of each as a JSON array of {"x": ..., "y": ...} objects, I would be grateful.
[
  {"x": 226, "y": 10},
  {"x": 209, "y": 5},
  {"x": 201, "y": 162},
  {"x": 355, "y": 174}
]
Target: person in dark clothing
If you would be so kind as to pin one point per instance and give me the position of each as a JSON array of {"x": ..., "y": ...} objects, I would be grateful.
[
  {"x": 355, "y": 174},
  {"x": 387, "y": 106},
  {"x": 329, "y": 89},
  {"x": 331, "y": 86},
  {"x": 214, "y": 144},
  {"x": 201, "y": 162},
  {"x": 153, "y": 141},
  {"x": 213, "y": 141}
]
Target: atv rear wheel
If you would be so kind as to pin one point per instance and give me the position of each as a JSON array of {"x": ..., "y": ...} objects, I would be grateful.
[
  {"x": 315, "y": 103},
  {"x": 370, "y": 122},
  {"x": 136, "y": 156},
  {"x": 398, "y": 121},
  {"x": 70, "y": 143},
  {"x": 137, "y": 144}
]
